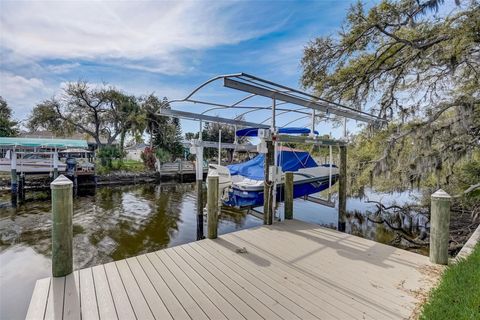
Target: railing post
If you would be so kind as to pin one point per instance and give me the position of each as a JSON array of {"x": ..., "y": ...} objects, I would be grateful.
[
  {"x": 342, "y": 190},
  {"x": 439, "y": 227},
  {"x": 288, "y": 191},
  {"x": 212, "y": 206},
  {"x": 62, "y": 229}
]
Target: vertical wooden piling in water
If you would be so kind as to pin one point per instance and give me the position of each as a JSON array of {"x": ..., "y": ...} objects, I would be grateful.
[
  {"x": 267, "y": 186},
  {"x": 199, "y": 189},
  {"x": 55, "y": 165},
  {"x": 21, "y": 186},
  {"x": 342, "y": 190},
  {"x": 288, "y": 195},
  {"x": 439, "y": 226},
  {"x": 62, "y": 229},
  {"x": 212, "y": 206},
  {"x": 13, "y": 172}
]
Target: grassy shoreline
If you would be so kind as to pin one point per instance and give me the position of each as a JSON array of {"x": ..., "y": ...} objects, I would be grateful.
[{"x": 458, "y": 294}]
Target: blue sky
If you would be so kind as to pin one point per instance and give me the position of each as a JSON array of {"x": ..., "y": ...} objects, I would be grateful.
[{"x": 161, "y": 47}]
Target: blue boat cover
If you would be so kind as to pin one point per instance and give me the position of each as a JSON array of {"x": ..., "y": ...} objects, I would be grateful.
[
  {"x": 288, "y": 159},
  {"x": 253, "y": 132}
]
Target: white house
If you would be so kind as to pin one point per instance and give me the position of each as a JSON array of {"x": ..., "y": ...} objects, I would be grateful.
[{"x": 134, "y": 152}]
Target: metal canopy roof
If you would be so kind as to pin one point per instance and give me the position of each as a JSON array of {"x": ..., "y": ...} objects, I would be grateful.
[
  {"x": 258, "y": 87},
  {"x": 41, "y": 143},
  {"x": 198, "y": 116}
]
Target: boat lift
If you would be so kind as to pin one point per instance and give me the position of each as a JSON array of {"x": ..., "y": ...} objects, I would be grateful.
[{"x": 282, "y": 98}]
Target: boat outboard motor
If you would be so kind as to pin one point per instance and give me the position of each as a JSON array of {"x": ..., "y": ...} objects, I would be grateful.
[{"x": 71, "y": 166}]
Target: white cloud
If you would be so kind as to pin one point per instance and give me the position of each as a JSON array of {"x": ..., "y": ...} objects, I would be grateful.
[
  {"x": 134, "y": 30},
  {"x": 22, "y": 93},
  {"x": 62, "y": 68},
  {"x": 18, "y": 86}
]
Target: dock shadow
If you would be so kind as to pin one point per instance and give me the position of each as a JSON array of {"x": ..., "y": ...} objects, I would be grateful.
[{"x": 375, "y": 253}]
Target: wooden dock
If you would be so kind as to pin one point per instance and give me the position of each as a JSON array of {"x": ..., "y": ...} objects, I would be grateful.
[{"x": 290, "y": 270}]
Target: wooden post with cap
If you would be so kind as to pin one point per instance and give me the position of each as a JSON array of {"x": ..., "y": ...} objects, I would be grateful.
[
  {"x": 439, "y": 226},
  {"x": 62, "y": 228}
]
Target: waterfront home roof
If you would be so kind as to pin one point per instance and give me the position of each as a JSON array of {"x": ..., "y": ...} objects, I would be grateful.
[
  {"x": 137, "y": 146},
  {"x": 10, "y": 142}
]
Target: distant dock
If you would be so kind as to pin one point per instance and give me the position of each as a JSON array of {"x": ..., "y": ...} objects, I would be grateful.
[{"x": 289, "y": 270}]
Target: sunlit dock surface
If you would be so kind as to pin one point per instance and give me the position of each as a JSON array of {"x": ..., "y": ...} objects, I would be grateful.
[{"x": 291, "y": 270}]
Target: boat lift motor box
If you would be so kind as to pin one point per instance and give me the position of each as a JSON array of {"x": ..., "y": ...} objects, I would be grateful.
[
  {"x": 71, "y": 166},
  {"x": 264, "y": 135},
  {"x": 275, "y": 174}
]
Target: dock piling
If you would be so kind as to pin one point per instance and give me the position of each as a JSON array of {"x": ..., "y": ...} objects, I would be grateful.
[
  {"x": 13, "y": 172},
  {"x": 212, "y": 206},
  {"x": 55, "y": 165},
  {"x": 342, "y": 190},
  {"x": 199, "y": 185},
  {"x": 439, "y": 226},
  {"x": 62, "y": 229},
  {"x": 288, "y": 195},
  {"x": 268, "y": 186}
]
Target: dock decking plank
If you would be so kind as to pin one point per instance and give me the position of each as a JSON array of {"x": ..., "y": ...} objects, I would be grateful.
[
  {"x": 240, "y": 291},
  {"x": 88, "y": 297},
  {"x": 220, "y": 287},
  {"x": 297, "y": 298},
  {"x": 106, "y": 307},
  {"x": 139, "y": 304},
  {"x": 378, "y": 277},
  {"x": 269, "y": 308},
  {"x": 190, "y": 305},
  {"x": 316, "y": 291},
  {"x": 153, "y": 299},
  {"x": 290, "y": 270},
  {"x": 173, "y": 305},
  {"x": 202, "y": 300},
  {"x": 335, "y": 271},
  {"x": 38, "y": 302},
  {"x": 71, "y": 309},
  {"x": 218, "y": 300},
  {"x": 54, "y": 309},
  {"x": 119, "y": 295},
  {"x": 283, "y": 296}
]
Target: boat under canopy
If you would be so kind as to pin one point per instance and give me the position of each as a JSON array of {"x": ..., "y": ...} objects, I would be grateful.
[
  {"x": 37, "y": 155},
  {"x": 242, "y": 184}
]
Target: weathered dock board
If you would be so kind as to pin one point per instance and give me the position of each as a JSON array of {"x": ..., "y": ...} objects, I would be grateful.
[{"x": 290, "y": 270}]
